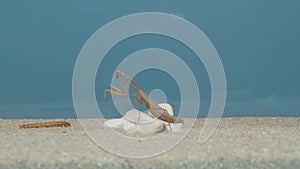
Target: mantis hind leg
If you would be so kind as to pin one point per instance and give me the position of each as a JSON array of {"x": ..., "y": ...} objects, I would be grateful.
[{"x": 170, "y": 127}]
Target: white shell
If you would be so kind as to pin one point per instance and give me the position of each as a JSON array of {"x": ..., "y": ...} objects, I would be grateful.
[{"x": 136, "y": 122}]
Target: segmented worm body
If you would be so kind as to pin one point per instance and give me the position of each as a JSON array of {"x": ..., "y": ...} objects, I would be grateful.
[{"x": 46, "y": 124}]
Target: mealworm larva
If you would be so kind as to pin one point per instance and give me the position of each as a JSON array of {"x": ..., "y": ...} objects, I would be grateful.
[{"x": 46, "y": 124}]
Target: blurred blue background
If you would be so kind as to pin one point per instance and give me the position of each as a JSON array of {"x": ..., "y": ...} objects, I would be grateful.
[{"x": 257, "y": 41}]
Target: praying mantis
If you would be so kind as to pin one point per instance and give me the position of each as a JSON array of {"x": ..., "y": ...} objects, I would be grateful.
[{"x": 143, "y": 98}]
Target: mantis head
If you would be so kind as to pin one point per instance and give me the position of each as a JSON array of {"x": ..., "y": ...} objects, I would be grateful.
[{"x": 118, "y": 73}]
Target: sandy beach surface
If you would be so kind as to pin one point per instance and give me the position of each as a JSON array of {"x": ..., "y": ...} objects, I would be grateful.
[{"x": 236, "y": 143}]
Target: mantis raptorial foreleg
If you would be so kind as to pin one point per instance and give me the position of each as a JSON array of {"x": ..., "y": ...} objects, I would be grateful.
[{"x": 118, "y": 92}]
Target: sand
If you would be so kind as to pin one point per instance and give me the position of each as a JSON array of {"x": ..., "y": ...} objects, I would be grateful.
[{"x": 237, "y": 143}]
